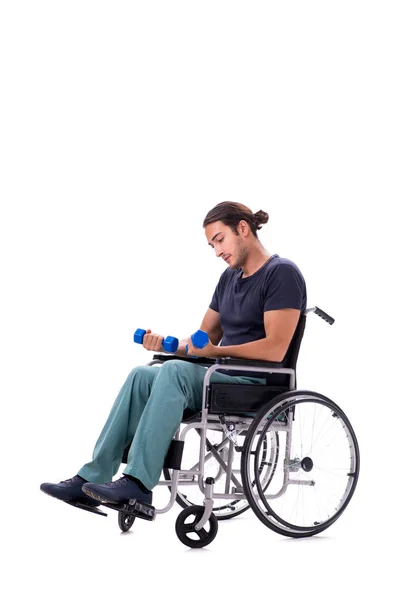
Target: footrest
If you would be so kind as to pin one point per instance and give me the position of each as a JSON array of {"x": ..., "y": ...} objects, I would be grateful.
[
  {"x": 138, "y": 509},
  {"x": 92, "y": 509}
]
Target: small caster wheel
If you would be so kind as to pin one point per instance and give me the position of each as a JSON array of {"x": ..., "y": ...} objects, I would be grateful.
[
  {"x": 125, "y": 521},
  {"x": 185, "y": 527}
]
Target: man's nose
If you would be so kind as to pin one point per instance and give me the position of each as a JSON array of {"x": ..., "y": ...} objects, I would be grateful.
[{"x": 219, "y": 253}]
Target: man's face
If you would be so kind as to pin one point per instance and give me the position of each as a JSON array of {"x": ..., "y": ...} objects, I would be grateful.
[{"x": 226, "y": 244}]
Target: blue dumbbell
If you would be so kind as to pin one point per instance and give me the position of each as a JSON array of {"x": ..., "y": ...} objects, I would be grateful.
[
  {"x": 170, "y": 344},
  {"x": 199, "y": 340}
]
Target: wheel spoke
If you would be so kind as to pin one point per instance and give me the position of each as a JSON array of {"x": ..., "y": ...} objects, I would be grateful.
[{"x": 202, "y": 533}]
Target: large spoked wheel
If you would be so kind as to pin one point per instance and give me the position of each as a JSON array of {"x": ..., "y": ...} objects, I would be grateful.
[
  {"x": 316, "y": 471},
  {"x": 186, "y": 531},
  {"x": 125, "y": 521}
]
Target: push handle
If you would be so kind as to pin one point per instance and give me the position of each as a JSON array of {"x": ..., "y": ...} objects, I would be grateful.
[{"x": 321, "y": 313}]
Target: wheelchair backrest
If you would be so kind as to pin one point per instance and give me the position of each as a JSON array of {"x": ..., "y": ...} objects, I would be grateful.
[{"x": 290, "y": 359}]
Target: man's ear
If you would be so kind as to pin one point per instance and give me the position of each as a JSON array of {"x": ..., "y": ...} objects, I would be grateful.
[{"x": 243, "y": 227}]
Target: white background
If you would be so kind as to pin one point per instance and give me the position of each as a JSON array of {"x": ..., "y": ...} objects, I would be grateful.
[{"x": 122, "y": 125}]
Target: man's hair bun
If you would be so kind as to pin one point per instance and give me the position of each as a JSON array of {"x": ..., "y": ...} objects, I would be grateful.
[{"x": 260, "y": 218}]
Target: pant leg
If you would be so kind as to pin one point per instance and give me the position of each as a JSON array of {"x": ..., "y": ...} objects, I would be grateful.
[
  {"x": 121, "y": 425},
  {"x": 178, "y": 386}
]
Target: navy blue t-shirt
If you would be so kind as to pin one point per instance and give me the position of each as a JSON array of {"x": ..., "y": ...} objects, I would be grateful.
[{"x": 241, "y": 302}]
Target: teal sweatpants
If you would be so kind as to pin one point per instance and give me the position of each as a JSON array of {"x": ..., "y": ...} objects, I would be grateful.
[{"x": 148, "y": 410}]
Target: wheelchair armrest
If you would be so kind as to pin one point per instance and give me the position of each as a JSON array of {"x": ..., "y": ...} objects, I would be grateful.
[
  {"x": 221, "y": 361},
  {"x": 207, "y": 362},
  {"x": 273, "y": 379},
  {"x": 251, "y": 363}
]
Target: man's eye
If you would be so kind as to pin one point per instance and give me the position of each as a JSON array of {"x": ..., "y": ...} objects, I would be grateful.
[{"x": 218, "y": 241}]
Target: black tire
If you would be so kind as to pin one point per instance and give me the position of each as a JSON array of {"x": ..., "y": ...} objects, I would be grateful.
[
  {"x": 263, "y": 423},
  {"x": 125, "y": 521},
  {"x": 184, "y": 529}
]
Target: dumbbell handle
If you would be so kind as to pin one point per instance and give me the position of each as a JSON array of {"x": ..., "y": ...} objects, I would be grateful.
[{"x": 170, "y": 344}]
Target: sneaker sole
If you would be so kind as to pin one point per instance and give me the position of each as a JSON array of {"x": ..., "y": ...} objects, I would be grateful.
[
  {"x": 88, "y": 503},
  {"x": 100, "y": 498}
]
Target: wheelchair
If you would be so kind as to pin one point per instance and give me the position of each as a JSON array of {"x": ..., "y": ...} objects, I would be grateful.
[{"x": 290, "y": 455}]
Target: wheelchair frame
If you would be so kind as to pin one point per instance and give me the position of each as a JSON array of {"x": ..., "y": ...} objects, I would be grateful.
[
  {"x": 267, "y": 420},
  {"x": 214, "y": 423}
]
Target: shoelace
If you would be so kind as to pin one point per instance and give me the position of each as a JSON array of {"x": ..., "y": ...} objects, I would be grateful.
[
  {"x": 119, "y": 482},
  {"x": 74, "y": 479}
]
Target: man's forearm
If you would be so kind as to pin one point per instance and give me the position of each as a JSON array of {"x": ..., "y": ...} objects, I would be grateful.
[{"x": 263, "y": 349}]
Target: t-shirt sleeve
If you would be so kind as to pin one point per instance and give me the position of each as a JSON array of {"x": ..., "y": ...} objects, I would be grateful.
[
  {"x": 216, "y": 299},
  {"x": 284, "y": 289}
]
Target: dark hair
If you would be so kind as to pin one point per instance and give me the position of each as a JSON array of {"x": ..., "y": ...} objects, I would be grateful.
[{"x": 231, "y": 213}]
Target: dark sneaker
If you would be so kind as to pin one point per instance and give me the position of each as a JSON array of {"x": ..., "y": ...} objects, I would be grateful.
[
  {"x": 117, "y": 492},
  {"x": 69, "y": 490}
]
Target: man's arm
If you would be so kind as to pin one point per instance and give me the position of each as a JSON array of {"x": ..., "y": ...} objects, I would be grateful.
[{"x": 279, "y": 325}]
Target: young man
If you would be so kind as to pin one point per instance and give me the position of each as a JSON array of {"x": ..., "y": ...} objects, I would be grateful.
[{"x": 253, "y": 314}]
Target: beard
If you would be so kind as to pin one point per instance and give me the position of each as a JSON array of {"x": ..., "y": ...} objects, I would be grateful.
[{"x": 241, "y": 256}]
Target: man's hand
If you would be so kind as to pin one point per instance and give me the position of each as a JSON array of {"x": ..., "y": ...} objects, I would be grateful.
[
  {"x": 153, "y": 341},
  {"x": 208, "y": 351}
]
